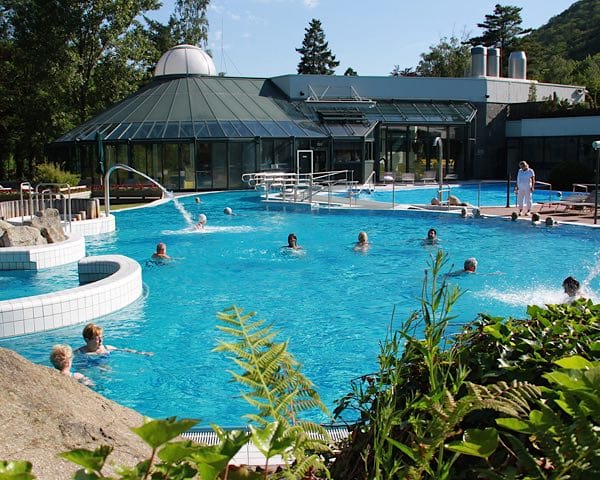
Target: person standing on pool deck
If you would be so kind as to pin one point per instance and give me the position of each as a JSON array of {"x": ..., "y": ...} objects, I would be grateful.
[{"x": 524, "y": 187}]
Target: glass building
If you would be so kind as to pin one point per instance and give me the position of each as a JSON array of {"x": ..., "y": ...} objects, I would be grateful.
[{"x": 193, "y": 130}]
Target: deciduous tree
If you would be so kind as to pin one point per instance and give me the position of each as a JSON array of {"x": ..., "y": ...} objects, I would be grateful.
[{"x": 449, "y": 58}]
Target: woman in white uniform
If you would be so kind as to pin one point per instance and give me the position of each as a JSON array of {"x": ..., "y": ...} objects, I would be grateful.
[{"x": 524, "y": 187}]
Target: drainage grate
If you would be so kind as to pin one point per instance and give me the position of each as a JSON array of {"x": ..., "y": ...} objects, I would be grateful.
[{"x": 208, "y": 437}]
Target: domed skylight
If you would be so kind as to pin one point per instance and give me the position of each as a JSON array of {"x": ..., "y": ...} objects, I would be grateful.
[{"x": 185, "y": 60}]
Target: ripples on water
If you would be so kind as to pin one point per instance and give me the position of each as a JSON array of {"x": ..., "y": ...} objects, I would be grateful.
[{"x": 332, "y": 303}]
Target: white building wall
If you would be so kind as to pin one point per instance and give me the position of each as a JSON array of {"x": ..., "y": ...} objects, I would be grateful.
[{"x": 554, "y": 127}]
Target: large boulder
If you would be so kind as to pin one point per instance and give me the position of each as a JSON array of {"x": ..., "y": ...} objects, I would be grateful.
[
  {"x": 22, "y": 237},
  {"x": 43, "y": 413},
  {"x": 5, "y": 226},
  {"x": 48, "y": 223}
]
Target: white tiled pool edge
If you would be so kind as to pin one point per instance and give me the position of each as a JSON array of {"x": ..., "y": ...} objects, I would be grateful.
[
  {"x": 116, "y": 282},
  {"x": 94, "y": 226},
  {"x": 37, "y": 257}
]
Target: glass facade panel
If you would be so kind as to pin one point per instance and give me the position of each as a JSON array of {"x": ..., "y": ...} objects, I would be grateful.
[
  {"x": 242, "y": 129},
  {"x": 186, "y": 130},
  {"x": 157, "y": 130},
  {"x": 219, "y": 164},
  {"x": 188, "y": 169},
  {"x": 215, "y": 130},
  {"x": 170, "y": 166},
  {"x": 203, "y": 166},
  {"x": 283, "y": 154},
  {"x": 172, "y": 130},
  {"x": 145, "y": 129}
]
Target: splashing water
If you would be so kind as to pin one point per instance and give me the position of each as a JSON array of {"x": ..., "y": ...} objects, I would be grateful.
[{"x": 184, "y": 213}]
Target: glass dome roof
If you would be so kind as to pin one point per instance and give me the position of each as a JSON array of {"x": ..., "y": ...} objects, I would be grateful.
[{"x": 185, "y": 60}]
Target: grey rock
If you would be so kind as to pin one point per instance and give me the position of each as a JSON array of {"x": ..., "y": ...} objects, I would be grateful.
[
  {"x": 22, "y": 237},
  {"x": 48, "y": 223},
  {"x": 45, "y": 413}
]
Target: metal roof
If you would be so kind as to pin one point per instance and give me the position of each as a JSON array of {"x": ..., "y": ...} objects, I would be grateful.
[{"x": 190, "y": 107}]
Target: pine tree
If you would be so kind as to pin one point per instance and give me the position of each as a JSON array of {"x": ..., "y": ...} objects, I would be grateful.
[
  {"x": 316, "y": 55},
  {"x": 501, "y": 29}
]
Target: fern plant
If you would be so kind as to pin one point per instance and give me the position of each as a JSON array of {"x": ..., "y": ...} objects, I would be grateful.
[{"x": 277, "y": 389}]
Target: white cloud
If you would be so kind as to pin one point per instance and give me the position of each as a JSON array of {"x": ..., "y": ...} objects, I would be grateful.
[{"x": 311, "y": 3}]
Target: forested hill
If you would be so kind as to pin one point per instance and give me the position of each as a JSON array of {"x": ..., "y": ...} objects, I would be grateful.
[{"x": 575, "y": 33}]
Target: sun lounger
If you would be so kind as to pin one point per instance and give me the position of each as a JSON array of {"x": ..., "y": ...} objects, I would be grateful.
[
  {"x": 574, "y": 203},
  {"x": 408, "y": 178},
  {"x": 389, "y": 177},
  {"x": 428, "y": 176},
  {"x": 5, "y": 189}
]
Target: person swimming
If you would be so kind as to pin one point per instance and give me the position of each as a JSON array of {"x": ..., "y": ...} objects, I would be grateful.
[
  {"x": 201, "y": 222},
  {"x": 161, "y": 252},
  {"x": 362, "y": 245},
  {"x": 431, "y": 236},
  {"x": 292, "y": 242}
]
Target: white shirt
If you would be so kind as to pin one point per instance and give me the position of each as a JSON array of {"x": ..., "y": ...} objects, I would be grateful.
[{"x": 524, "y": 178}]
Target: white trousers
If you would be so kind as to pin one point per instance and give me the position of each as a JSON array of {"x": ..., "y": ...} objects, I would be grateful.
[{"x": 524, "y": 195}]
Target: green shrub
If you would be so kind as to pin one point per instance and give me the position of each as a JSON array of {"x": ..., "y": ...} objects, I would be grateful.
[
  {"x": 565, "y": 174},
  {"x": 52, "y": 173},
  {"x": 486, "y": 403}
]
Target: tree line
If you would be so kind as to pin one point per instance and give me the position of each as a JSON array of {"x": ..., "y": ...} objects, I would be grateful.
[
  {"x": 64, "y": 61},
  {"x": 565, "y": 50}
]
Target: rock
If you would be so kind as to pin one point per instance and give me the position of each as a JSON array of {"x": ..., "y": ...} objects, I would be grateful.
[
  {"x": 48, "y": 222},
  {"x": 5, "y": 226},
  {"x": 44, "y": 413},
  {"x": 22, "y": 237}
]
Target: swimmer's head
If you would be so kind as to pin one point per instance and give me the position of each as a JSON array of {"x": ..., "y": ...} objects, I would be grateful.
[
  {"x": 514, "y": 216},
  {"x": 470, "y": 264},
  {"x": 363, "y": 237},
  {"x": 571, "y": 286},
  {"x": 161, "y": 248},
  {"x": 535, "y": 218},
  {"x": 432, "y": 234},
  {"x": 228, "y": 211},
  {"x": 292, "y": 239},
  {"x": 550, "y": 221},
  {"x": 197, "y": 199},
  {"x": 463, "y": 212},
  {"x": 202, "y": 218}
]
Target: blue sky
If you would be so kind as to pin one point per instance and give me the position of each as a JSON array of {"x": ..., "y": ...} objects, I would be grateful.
[{"x": 257, "y": 38}]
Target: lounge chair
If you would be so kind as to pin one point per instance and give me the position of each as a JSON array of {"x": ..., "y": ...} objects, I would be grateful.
[
  {"x": 389, "y": 177},
  {"x": 428, "y": 176},
  {"x": 408, "y": 178},
  {"x": 4, "y": 189},
  {"x": 574, "y": 203}
]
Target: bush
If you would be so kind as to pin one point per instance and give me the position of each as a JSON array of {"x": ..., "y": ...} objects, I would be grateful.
[
  {"x": 52, "y": 173},
  {"x": 565, "y": 174}
]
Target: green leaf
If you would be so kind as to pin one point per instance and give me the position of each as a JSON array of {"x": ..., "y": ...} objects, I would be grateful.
[
  {"x": 568, "y": 379},
  {"x": 158, "y": 432},
  {"x": 514, "y": 424},
  {"x": 91, "y": 460},
  {"x": 403, "y": 448},
  {"x": 87, "y": 475},
  {"x": 271, "y": 439},
  {"x": 574, "y": 363},
  {"x": 477, "y": 443},
  {"x": 209, "y": 462},
  {"x": 16, "y": 470},
  {"x": 176, "y": 451},
  {"x": 231, "y": 441}
]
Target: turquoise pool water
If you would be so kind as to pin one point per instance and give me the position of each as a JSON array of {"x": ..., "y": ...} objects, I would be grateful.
[
  {"x": 489, "y": 194},
  {"x": 333, "y": 304},
  {"x": 26, "y": 283}
]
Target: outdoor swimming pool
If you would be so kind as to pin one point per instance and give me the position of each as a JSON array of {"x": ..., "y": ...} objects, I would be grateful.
[
  {"x": 332, "y": 303},
  {"x": 489, "y": 194}
]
